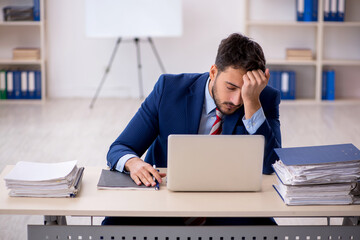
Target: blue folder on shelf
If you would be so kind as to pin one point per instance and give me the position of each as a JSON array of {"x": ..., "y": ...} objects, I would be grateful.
[
  {"x": 36, "y": 10},
  {"x": 326, "y": 10},
  {"x": 300, "y": 10},
  {"x": 340, "y": 11},
  {"x": 24, "y": 93},
  {"x": 38, "y": 85},
  {"x": 9, "y": 85},
  {"x": 275, "y": 80},
  {"x": 285, "y": 82},
  {"x": 310, "y": 10},
  {"x": 315, "y": 9},
  {"x": 333, "y": 10},
  {"x": 330, "y": 85},
  {"x": 318, "y": 154},
  {"x": 323, "y": 85},
  {"x": 31, "y": 85},
  {"x": 285, "y": 85},
  {"x": 17, "y": 84},
  {"x": 288, "y": 85}
]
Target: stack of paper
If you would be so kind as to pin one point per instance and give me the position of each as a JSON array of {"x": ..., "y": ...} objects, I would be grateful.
[
  {"x": 26, "y": 53},
  {"x": 318, "y": 175},
  {"x": 32, "y": 179},
  {"x": 298, "y": 54},
  {"x": 316, "y": 194}
]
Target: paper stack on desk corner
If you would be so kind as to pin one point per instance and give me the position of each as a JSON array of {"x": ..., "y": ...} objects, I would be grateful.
[
  {"x": 33, "y": 179},
  {"x": 318, "y": 175}
]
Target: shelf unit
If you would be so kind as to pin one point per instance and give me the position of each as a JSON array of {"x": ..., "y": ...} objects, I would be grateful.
[
  {"x": 317, "y": 36},
  {"x": 23, "y": 34}
]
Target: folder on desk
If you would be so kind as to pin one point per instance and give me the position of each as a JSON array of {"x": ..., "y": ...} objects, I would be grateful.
[
  {"x": 318, "y": 164},
  {"x": 315, "y": 175},
  {"x": 118, "y": 180},
  {"x": 317, "y": 194},
  {"x": 324, "y": 154}
]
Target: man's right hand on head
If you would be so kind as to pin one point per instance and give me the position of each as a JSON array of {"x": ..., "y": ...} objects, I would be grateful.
[{"x": 142, "y": 172}]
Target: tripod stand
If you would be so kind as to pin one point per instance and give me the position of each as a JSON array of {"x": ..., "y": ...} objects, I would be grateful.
[{"x": 107, "y": 70}]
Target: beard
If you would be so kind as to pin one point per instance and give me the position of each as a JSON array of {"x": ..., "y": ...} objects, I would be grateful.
[{"x": 226, "y": 108}]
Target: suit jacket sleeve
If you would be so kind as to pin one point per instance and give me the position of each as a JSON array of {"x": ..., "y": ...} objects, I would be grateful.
[
  {"x": 141, "y": 130},
  {"x": 270, "y": 129}
]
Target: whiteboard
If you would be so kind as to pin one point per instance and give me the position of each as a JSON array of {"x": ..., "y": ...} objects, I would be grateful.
[{"x": 133, "y": 18}]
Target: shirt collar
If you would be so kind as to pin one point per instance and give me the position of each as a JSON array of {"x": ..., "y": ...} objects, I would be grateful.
[{"x": 209, "y": 101}]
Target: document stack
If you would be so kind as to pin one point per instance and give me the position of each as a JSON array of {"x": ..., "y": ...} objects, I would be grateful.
[
  {"x": 318, "y": 175},
  {"x": 18, "y": 13},
  {"x": 26, "y": 53},
  {"x": 32, "y": 179},
  {"x": 299, "y": 54}
]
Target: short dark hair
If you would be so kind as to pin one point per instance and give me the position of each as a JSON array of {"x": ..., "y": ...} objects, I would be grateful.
[{"x": 239, "y": 51}]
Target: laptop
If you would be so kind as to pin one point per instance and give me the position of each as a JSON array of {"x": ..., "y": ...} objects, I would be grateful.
[{"x": 215, "y": 162}]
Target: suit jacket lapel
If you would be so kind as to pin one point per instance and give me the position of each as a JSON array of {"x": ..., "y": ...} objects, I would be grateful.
[
  {"x": 231, "y": 120},
  {"x": 194, "y": 104}
]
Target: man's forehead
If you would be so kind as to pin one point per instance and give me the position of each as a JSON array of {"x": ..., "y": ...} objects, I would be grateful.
[{"x": 233, "y": 77}]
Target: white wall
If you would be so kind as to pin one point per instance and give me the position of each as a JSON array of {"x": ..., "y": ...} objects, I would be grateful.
[{"x": 76, "y": 63}]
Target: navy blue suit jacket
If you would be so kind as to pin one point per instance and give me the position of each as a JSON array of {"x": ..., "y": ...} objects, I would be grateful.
[{"x": 174, "y": 107}]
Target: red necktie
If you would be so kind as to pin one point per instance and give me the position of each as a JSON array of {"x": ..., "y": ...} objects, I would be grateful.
[{"x": 216, "y": 128}]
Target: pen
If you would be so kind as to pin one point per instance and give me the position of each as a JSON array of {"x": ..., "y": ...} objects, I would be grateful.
[{"x": 157, "y": 186}]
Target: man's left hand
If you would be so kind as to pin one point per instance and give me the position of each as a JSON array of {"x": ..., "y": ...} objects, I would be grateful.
[{"x": 254, "y": 82}]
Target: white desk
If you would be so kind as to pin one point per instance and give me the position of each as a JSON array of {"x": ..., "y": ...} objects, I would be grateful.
[{"x": 94, "y": 202}]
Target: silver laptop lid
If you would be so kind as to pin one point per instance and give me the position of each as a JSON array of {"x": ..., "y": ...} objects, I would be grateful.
[{"x": 215, "y": 163}]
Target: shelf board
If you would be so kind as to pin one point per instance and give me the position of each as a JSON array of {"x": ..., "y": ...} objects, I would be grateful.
[
  {"x": 298, "y": 101},
  {"x": 337, "y": 62},
  {"x": 341, "y": 101},
  {"x": 321, "y": 102},
  {"x": 21, "y": 23},
  {"x": 302, "y": 24},
  {"x": 282, "y": 23},
  {"x": 340, "y": 62},
  {"x": 20, "y": 62},
  {"x": 291, "y": 62},
  {"x": 341, "y": 24},
  {"x": 21, "y": 101}
]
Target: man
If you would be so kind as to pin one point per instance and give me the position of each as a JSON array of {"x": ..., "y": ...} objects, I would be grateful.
[{"x": 187, "y": 103}]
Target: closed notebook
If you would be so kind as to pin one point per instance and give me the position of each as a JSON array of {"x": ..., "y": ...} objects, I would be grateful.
[{"x": 117, "y": 180}]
